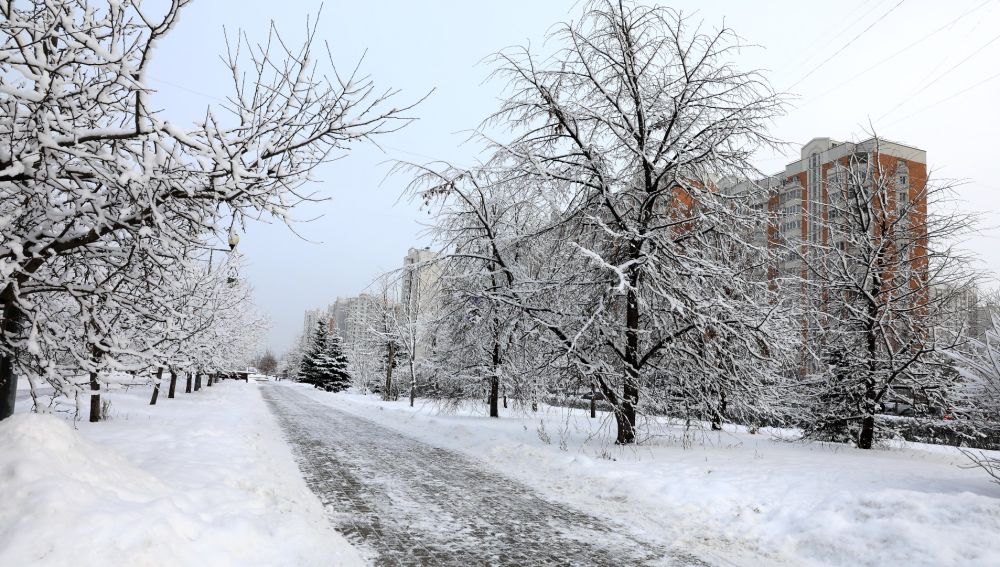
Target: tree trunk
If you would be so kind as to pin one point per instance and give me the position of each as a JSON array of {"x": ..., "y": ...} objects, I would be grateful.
[
  {"x": 495, "y": 378},
  {"x": 187, "y": 387},
  {"x": 8, "y": 378},
  {"x": 390, "y": 362},
  {"x": 494, "y": 390},
  {"x": 197, "y": 381},
  {"x": 173, "y": 383},
  {"x": 867, "y": 435},
  {"x": 593, "y": 400},
  {"x": 210, "y": 380},
  {"x": 95, "y": 399},
  {"x": 156, "y": 386},
  {"x": 717, "y": 414},
  {"x": 625, "y": 413},
  {"x": 413, "y": 384}
]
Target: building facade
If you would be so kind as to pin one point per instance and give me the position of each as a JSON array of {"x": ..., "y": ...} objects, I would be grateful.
[
  {"x": 802, "y": 201},
  {"x": 809, "y": 237},
  {"x": 420, "y": 292}
]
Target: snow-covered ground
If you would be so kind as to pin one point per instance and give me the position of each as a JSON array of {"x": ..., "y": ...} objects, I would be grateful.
[
  {"x": 204, "y": 479},
  {"x": 748, "y": 499}
]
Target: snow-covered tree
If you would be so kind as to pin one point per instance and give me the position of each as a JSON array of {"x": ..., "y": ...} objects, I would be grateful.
[
  {"x": 324, "y": 364},
  {"x": 882, "y": 271},
  {"x": 88, "y": 167},
  {"x": 647, "y": 272},
  {"x": 979, "y": 391},
  {"x": 267, "y": 363},
  {"x": 483, "y": 222}
]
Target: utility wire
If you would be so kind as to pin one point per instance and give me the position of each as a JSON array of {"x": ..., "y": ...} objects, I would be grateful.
[
  {"x": 192, "y": 91},
  {"x": 941, "y": 76},
  {"x": 927, "y": 36},
  {"x": 846, "y": 45},
  {"x": 808, "y": 53},
  {"x": 946, "y": 99}
]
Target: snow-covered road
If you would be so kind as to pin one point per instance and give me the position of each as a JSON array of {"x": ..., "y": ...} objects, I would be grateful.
[{"x": 405, "y": 502}]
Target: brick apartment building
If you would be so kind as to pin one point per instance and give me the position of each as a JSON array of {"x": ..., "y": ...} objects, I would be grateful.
[
  {"x": 803, "y": 204},
  {"x": 801, "y": 199}
]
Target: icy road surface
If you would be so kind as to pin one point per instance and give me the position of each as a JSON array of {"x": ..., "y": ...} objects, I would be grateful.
[{"x": 404, "y": 502}]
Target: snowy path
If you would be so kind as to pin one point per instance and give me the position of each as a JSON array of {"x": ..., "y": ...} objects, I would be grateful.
[{"x": 408, "y": 503}]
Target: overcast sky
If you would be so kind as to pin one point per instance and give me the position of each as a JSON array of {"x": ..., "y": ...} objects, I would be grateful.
[{"x": 921, "y": 72}]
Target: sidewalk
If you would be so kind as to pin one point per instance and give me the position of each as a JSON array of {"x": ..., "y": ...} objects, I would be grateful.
[{"x": 203, "y": 479}]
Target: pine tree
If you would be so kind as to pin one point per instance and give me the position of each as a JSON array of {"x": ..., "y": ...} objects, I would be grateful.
[
  {"x": 325, "y": 365},
  {"x": 314, "y": 362},
  {"x": 336, "y": 377}
]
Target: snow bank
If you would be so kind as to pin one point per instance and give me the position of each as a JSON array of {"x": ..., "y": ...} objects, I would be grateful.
[
  {"x": 731, "y": 496},
  {"x": 203, "y": 479}
]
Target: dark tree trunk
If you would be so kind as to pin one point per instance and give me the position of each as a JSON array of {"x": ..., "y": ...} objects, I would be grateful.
[
  {"x": 156, "y": 386},
  {"x": 593, "y": 401},
  {"x": 505, "y": 399},
  {"x": 719, "y": 411},
  {"x": 625, "y": 413},
  {"x": 197, "y": 381},
  {"x": 173, "y": 383},
  {"x": 8, "y": 378},
  {"x": 95, "y": 399},
  {"x": 187, "y": 386},
  {"x": 494, "y": 390},
  {"x": 210, "y": 380},
  {"x": 867, "y": 436},
  {"x": 495, "y": 379},
  {"x": 390, "y": 363}
]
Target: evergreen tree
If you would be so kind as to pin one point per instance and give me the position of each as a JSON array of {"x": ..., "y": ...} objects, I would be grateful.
[
  {"x": 314, "y": 361},
  {"x": 336, "y": 376},
  {"x": 324, "y": 364}
]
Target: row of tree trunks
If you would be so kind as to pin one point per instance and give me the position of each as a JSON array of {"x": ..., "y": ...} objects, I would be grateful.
[{"x": 212, "y": 379}]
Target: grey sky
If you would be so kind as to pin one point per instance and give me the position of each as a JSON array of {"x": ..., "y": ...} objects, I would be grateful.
[{"x": 416, "y": 46}]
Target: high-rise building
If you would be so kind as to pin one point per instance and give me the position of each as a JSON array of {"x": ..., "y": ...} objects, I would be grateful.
[
  {"x": 805, "y": 206},
  {"x": 337, "y": 312},
  {"x": 359, "y": 319},
  {"x": 802, "y": 199},
  {"x": 421, "y": 281},
  {"x": 309, "y": 322},
  {"x": 420, "y": 290}
]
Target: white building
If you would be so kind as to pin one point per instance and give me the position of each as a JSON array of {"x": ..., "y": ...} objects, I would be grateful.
[
  {"x": 421, "y": 282},
  {"x": 420, "y": 292}
]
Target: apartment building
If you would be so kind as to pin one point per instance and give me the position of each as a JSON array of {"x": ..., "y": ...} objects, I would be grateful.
[
  {"x": 420, "y": 288},
  {"x": 309, "y": 321},
  {"x": 802, "y": 200},
  {"x": 805, "y": 206},
  {"x": 360, "y": 316},
  {"x": 421, "y": 282}
]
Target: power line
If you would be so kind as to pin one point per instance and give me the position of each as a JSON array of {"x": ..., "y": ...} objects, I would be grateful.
[
  {"x": 192, "y": 91},
  {"x": 946, "y": 99},
  {"x": 809, "y": 52},
  {"x": 846, "y": 45},
  {"x": 941, "y": 76},
  {"x": 920, "y": 40}
]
